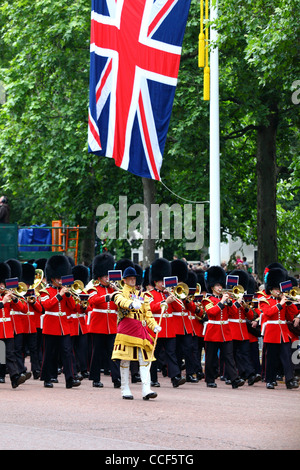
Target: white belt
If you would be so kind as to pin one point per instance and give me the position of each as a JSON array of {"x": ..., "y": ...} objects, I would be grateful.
[
  {"x": 180, "y": 314},
  {"x": 214, "y": 322},
  {"x": 104, "y": 311},
  {"x": 272, "y": 322},
  {"x": 77, "y": 315},
  {"x": 165, "y": 315},
  {"x": 12, "y": 312},
  {"x": 240, "y": 320},
  {"x": 56, "y": 314},
  {"x": 4, "y": 319}
]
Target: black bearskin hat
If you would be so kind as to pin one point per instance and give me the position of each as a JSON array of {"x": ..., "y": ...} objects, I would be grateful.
[
  {"x": 273, "y": 279},
  {"x": 81, "y": 273},
  {"x": 243, "y": 277},
  {"x": 179, "y": 268},
  {"x": 252, "y": 285},
  {"x": 56, "y": 267},
  {"x": 146, "y": 280},
  {"x": 192, "y": 279},
  {"x": 215, "y": 275},
  {"x": 102, "y": 264},
  {"x": 272, "y": 266},
  {"x": 159, "y": 269},
  {"x": 15, "y": 268},
  {"x": 5, "y": 272},
  {"x": 139, "y": 272},
  {"x": 200, "y": 279},
  {"x": 122, "y": 264},
  {"x": 41, "y": 263},
  {"x": 28, "y": 274}
]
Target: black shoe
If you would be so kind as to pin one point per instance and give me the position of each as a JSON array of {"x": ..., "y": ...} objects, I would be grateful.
[
  {"x": 97, "y": 384},
  {"x": 150, "y": 395},
  {"x": 36, "y": 374},
  {"x": 17, "y": 380},
  {"x": 48, "y": 384},
  {"x": 251, "y": 379},
  {"x": 200, "y": 375},
  {"x": 292, "y": 384},
  {"x": 228, "y": 382},
  {"x": 155, "y": 384},
  {"x": 135, "y": 378},
  {"x": 70, "y": 383},
  {"x": 54, "y": 380},
  {"x": 127, "y": 397},
  {"x": 270, "y": 385},
  {"x": 190, "y": 378},
  {"x": 211, "y": 384},
  {"x": 178, "y": 380},
  {"x": 117, "y": 383},
  {"x": 26, "y": 375},
  {"x": 237, "y": 383},
  {"x": 2, "y": 380},
  {"x": 85, "y": 374}
]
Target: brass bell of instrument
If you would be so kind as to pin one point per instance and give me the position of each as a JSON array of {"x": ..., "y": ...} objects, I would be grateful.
[{"x": 181, "y": 291}]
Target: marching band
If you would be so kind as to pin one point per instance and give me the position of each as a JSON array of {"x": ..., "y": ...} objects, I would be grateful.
[{"x": 83, "y": 321}]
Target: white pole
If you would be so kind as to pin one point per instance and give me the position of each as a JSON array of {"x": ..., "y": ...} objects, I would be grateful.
[{"x": 214, "y": 142}]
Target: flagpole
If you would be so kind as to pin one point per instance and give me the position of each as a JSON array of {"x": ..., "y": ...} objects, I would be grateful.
[{"x": 214, "y": 145}]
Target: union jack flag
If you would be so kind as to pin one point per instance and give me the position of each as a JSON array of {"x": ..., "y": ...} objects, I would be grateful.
[{"x": 134, "y": 61}]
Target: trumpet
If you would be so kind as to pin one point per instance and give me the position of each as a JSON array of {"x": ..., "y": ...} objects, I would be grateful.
[
  {"x": 118, "y": 285},
  {"x": 235, "y": 292},
  {"x": 197, "y": 293}
]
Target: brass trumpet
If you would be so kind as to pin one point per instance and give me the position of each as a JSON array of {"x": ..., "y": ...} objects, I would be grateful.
[{"x": 235, "y": 292}]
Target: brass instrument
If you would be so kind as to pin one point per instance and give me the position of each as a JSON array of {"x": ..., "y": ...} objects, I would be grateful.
[
  {"x": 235, "y": 292},
  {"x": 19, "y": 291},
  {"x": 181, "y": 291},
  {"x": 197, "y": 293},
  {"x": 118, "y": 285}
]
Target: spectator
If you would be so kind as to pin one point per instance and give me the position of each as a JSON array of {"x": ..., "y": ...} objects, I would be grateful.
[{"x": 4, "y": 210}]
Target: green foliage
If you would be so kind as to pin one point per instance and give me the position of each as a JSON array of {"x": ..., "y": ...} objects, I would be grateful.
[{"x": 46, "y": 169}]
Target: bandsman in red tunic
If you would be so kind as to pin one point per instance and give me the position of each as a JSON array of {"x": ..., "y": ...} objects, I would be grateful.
[
  {"x": 78, "y": 326},
  {"x": 166, "y": 340},
  {"x": 276, "y": 312},
  {"x": 217, "y": 335},
  {"x": 7, "y": 303},
  {"x": 239, "y": 313},
  {"x": 58, "y": 304},
  {"x": 102, "y": 320},
  {"x": 183, "y": 327},
  {"x": 34, "y": 309}
]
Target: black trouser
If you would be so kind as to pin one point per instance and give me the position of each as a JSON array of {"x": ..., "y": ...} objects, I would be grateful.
[
  {"x": 211, "y": 358},
  {"x": 276, "y": 353},
  {"x": 184, "y": 350},
  {"x": 169, "y": 346},
  {"x": 54, "y": 347},
  {"x": 254, "y": 356},
  {"x": 241, "y": 354},
  {"x": 102, "y": 347},
  {"x": 30, "y": 341},
  {"x": 10, "y": 357},
  {"x": 80, "y": 352}
]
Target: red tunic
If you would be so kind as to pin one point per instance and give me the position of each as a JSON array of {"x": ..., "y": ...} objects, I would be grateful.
[
  {"x": 57, "y": 309},
  {"x": 102, "y": 316},
  {"x": 237, "y": 321},
  {"x": 182, "y": 323},
  {"x": 77, "y": 321},
  {"x": 6, "y": 323},
  {"x": 274, "y": 318},
  {"x": 217, "y": 327},
  {"x": 33, "y": 310},
  {"x": 167, "y": 321}
]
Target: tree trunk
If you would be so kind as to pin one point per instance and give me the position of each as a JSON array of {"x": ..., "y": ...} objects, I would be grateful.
[
  {"x": 266, "y": 194},
  {"x": 87, "y": 250},
  {"x": 148, "y": 243}
]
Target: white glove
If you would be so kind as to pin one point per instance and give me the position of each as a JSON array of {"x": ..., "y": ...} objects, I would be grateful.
[
  {"x": 157, "y": 329},
  {"x": 136, "y": 304}
]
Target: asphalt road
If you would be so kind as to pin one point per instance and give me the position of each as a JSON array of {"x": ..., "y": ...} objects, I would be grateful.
[{"x": 189, "y": 418}]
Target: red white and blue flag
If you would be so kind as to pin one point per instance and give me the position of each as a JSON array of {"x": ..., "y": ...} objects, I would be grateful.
[{"x": 134, "y": 61}]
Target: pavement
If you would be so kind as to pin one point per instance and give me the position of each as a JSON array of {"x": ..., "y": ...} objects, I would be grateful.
[{"x": 189, "y": 418}]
